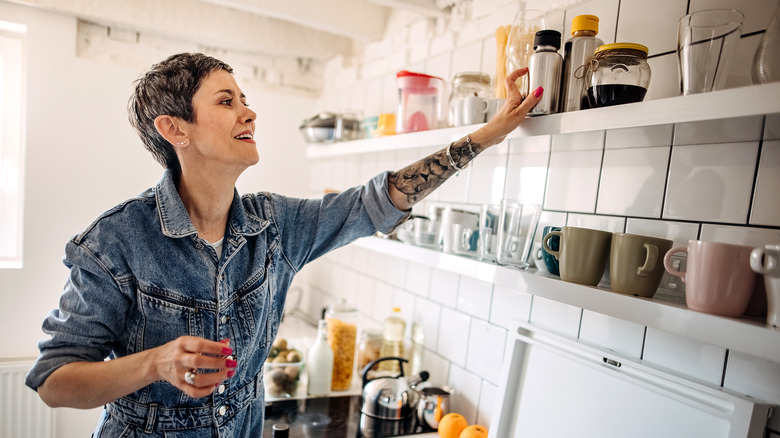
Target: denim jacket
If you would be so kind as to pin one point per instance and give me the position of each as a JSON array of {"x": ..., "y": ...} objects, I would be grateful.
[{"x": 140, "y": 277}]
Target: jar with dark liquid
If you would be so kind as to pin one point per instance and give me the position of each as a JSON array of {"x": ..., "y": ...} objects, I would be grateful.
[{"x": 618, "y": 73}]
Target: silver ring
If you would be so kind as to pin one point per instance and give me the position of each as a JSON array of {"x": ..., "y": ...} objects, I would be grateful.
[{"x": 189, "y": 376}]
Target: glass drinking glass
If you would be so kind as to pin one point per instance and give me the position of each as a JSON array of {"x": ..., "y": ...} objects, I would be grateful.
[
  {"x": 516, "y": 230},
  {"x": 706, "y": 41},
  {"x": 520, "y": 41}
]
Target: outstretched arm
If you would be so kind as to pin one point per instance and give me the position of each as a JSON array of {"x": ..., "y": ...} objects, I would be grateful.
[{"x": 416, "y": 181}]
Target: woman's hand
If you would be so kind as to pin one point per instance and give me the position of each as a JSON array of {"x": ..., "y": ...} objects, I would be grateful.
[
  {"x": 172, "y": 362},
  {"x": 509, "y": 117}
]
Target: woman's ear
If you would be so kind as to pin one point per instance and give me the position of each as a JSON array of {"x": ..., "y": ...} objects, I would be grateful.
[{"x": 169, "y": 128}]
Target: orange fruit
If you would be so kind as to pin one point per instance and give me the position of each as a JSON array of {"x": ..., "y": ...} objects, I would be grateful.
[
  {"x": 451, "y": 425},
  {"x": 474, "y": 431}
]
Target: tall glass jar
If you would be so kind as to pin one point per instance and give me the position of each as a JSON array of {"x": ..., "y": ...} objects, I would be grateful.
[
  {"x": 464, "y": 84},
  {"x": 618, "y": 73},
  {"x": 342, "y": 338},
  {"x": 369, "y": 349}
]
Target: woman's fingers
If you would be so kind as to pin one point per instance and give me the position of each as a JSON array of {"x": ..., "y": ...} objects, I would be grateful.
[{"x": 197, "y": 365}]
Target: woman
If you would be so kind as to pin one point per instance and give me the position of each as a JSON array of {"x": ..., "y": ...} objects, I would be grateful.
[{"x": 183, "y": 287}]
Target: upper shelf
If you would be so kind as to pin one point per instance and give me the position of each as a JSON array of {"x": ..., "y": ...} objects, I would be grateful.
[
  {"x": 750, "y": 336},
  {"x": 735, "y": 102}
]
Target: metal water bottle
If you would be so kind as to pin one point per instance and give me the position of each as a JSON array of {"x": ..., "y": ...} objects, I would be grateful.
[
  {"x": 577, "y": 51},
  {"x": 544, "y": 70}
]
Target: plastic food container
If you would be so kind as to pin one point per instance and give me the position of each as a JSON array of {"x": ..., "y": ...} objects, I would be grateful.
[
  {"x": 281, "y": 376},
  {"x": 419, "y": 102},
  {"x": 618, "y": 73}
]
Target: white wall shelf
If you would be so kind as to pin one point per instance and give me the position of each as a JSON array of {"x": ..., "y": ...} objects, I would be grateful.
[
  {"x": 735, "y": 102},
  {"x": 729, "y": 333}
]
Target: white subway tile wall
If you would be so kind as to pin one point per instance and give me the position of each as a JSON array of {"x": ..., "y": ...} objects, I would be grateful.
[{"x": 707, "y": 180}]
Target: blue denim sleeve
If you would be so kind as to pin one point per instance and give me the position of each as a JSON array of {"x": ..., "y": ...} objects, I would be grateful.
[
  {"x": 90, "y": 317},
  {"x": 312, "y": 227}
]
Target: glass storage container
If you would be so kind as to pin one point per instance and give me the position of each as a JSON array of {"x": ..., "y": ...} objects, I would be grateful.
[
  {"x": 618, "y": 73},
  {"x": 342, "y": 338},
  {"x": 464, "y": 84}
]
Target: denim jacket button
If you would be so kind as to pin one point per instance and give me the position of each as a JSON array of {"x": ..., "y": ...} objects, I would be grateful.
[
  {"x": 221, "y": 390},
  {"x": 224, "y": 319},
  {"x": 222, "y": 410}
]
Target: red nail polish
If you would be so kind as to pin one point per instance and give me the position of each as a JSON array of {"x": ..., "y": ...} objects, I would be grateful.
[
  {"x": 231, "y": 373},
  {"x": 538, "y": 92},
  {"x": 227, "y": 351},
  {"x": 230, "y": 363}
]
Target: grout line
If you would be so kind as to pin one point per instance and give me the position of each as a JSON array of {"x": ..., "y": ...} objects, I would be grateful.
[
  {"x": 668, "y": 171},
  {"x": 725, "y": 365},
  {"x": 644, "y": 342},
  {"x": 755, "y": 173}
]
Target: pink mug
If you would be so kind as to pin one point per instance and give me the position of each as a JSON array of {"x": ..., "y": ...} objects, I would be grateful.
[{"x": 718, "y": 276}]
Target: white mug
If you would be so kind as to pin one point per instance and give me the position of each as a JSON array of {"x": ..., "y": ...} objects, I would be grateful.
[
  {"x": 475, "y": 109},
  {"x": 766, "y": 261},
  {"x": 450, "y": 217},
  {"x": 456, "y": 112}
]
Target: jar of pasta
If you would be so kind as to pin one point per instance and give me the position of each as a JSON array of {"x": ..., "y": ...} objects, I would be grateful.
[
  {"x": 369, "y": 349},
  {"x": 342, "y": 338}
]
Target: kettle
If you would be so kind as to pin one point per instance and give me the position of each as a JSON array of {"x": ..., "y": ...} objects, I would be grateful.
[
  {"x": 390, "y": 402},
  {"x": 433, "y": 406}
]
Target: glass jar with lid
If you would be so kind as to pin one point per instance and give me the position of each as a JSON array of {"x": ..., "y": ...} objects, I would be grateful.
[
  {"x": 464, "y": 84},
  {"x": 369, "y": 349},
  {"x": 618, "y": 73},
  {"x": 342, "y": 338}
]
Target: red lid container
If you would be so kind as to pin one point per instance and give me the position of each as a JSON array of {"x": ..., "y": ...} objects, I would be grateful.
[{"x": 419, "y": 101}]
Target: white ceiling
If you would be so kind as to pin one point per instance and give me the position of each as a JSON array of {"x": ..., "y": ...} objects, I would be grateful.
[{"x": 315, "y": 29}]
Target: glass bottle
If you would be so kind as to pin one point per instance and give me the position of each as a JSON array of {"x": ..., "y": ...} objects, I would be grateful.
[
  {"x": 320, "y": 364},
  {"x": 577, "y": 52},
  {"x": 342, "y": 338},
  {"x": 392, "y": 340},
  {"x": 766, "y": 63}
]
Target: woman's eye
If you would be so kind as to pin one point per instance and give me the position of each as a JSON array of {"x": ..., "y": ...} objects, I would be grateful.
[
  {"x": 227, "y": 102},
  {"x": 246, "y": 104}
]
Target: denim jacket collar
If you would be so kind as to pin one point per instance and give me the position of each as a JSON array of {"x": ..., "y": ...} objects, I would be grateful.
[{"x": 175, "y": 220}]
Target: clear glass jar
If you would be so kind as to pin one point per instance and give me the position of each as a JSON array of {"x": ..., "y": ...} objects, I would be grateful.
[
  {"x": 369, "y": 349},
  {"x": 464, "y": 84},
  {"x": 618, "y": 73},
  {"x": 342, "y": 338}
]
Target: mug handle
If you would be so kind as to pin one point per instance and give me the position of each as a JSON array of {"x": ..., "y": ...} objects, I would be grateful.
[
  {"x": 547, "y": 247},
  {"x": 650, "y": 260},
  {"x": 465, "y": 239},
  {"x": 668, "y": 261},
  {"x": 762, "y": 262}
]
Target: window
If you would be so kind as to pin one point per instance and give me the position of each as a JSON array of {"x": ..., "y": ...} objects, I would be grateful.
[{"x": 12, "y": 87}]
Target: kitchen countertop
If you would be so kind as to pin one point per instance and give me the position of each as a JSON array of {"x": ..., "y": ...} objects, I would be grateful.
[{"x": 301, "y": 334}]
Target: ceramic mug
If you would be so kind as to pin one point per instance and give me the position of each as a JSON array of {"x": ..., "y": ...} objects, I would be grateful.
[
  {"x": 766, "y": 261},
  {"x": 464, "y": 240},
  {"x": 451, "y": 217},
  {"x": 636, "y": 263},
  {"x": 475, "y": 109},
  {"x": 718, "y": 277},
  {"x": 551, "y": 264},
  {"x": 583, "y": 254}
]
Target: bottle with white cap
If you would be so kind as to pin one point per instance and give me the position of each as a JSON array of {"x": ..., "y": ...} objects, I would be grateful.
[
  {"x": 320, "y": 364},
  {"x": 577, "y": 51}
]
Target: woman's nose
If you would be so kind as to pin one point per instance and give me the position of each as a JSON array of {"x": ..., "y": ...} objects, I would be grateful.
[{"x": 248, "y": 116}]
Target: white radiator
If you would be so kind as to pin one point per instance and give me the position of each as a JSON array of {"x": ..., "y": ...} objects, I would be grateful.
[{"x": 22, "y": 413}]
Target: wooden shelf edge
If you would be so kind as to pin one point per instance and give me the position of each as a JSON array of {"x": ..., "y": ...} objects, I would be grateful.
[
  {"x": 734, "y": 102},
  {"x": 666, "y": 316}
]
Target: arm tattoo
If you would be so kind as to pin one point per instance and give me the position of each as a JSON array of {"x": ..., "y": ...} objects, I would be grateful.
[{"x": 419, "y": 179}]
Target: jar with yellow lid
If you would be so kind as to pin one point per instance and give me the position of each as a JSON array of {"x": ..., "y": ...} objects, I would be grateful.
[{"x": 618, "y": 73}]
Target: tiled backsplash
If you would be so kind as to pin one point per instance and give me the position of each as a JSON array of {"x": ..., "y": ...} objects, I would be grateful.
[{"x": 714, "y": 180}]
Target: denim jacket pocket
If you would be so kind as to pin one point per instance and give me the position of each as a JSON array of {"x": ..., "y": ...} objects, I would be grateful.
[
  {"x": 253, "y": 309},
  {"x": 166, "y": 315}
]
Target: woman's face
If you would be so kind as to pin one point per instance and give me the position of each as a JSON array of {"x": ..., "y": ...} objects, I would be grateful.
[{"x": 223, "y": 130}]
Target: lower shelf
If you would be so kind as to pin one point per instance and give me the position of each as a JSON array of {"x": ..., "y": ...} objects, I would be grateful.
[{"x": 745, "y": 335}]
